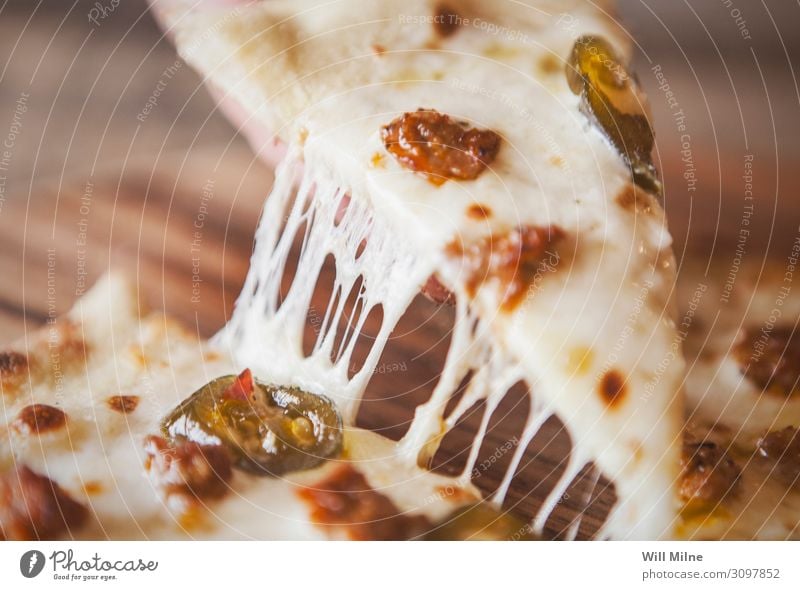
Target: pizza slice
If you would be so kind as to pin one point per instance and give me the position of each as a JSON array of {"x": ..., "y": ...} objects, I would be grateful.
[
  {"x": 497, "y": 155},
  {"x": 103, "y": 438}
]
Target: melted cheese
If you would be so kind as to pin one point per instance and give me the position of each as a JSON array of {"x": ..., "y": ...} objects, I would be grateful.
[
  {"x": 309, "y": 70},
  {"x": 98, "y": 458}
]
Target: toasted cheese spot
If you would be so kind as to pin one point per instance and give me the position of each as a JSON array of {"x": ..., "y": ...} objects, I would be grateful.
[
  {"x": 378, "y": 49},
  {"x": 39, "y": 419},
  {"x": 188, "y": 472},
  {"x": 782, "y": 448},
  {"x": 638, "y": 452},
  {"x": 445, "y": 20},
  {"x": 515, "y": 260},
  {"x": 441, "y": 148},
  {"x": 580, "y": 360},
  {"x": 612, "y": 388},
  {"x": 551, "y": 64},
  {"x": 501, "y": 51},
  {"x": 33, "y": 507},
  {"x": 709, "y": 476},
  {"x": 376, "y": 161},
  {"x": 13, "y": 368},
  {"x": 138, "y": 356},
  {"x": 92, "y": 488},
  {"x": 557, "y": 161},
  {"x": 770, "y": 359},
  {"x": 124, "y": 404},
  {"x": 211, "y": 356},
  {"x": 403, "y": 77},
  {"x": 343, "y": 504},
  {"x": 633, "y": 199},
  {"x": 479, "y": 211}
]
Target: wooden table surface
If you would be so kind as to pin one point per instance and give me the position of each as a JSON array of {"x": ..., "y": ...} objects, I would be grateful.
[{"x": 91, "y": 187}]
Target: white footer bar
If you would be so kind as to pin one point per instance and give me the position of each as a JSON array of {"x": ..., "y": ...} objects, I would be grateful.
[{"x": 400, "y": 566}]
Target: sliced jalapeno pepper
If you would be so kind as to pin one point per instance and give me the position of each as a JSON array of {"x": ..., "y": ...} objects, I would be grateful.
[
  {"x": 612, "y": 98},
  {"x": 269, "y": 430}
]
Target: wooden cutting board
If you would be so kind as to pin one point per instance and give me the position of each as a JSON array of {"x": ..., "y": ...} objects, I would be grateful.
[{"x": 183, "y": 232}]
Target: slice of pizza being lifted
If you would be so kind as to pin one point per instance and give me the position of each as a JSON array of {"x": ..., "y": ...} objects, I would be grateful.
[{"x": 497, "y": 154}]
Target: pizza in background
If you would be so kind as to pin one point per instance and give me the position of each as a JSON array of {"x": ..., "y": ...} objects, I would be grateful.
[{"x": 741, "y": 476}]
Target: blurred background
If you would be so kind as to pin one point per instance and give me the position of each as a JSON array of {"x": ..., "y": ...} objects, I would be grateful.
[{"x": 111, "y": 142}]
